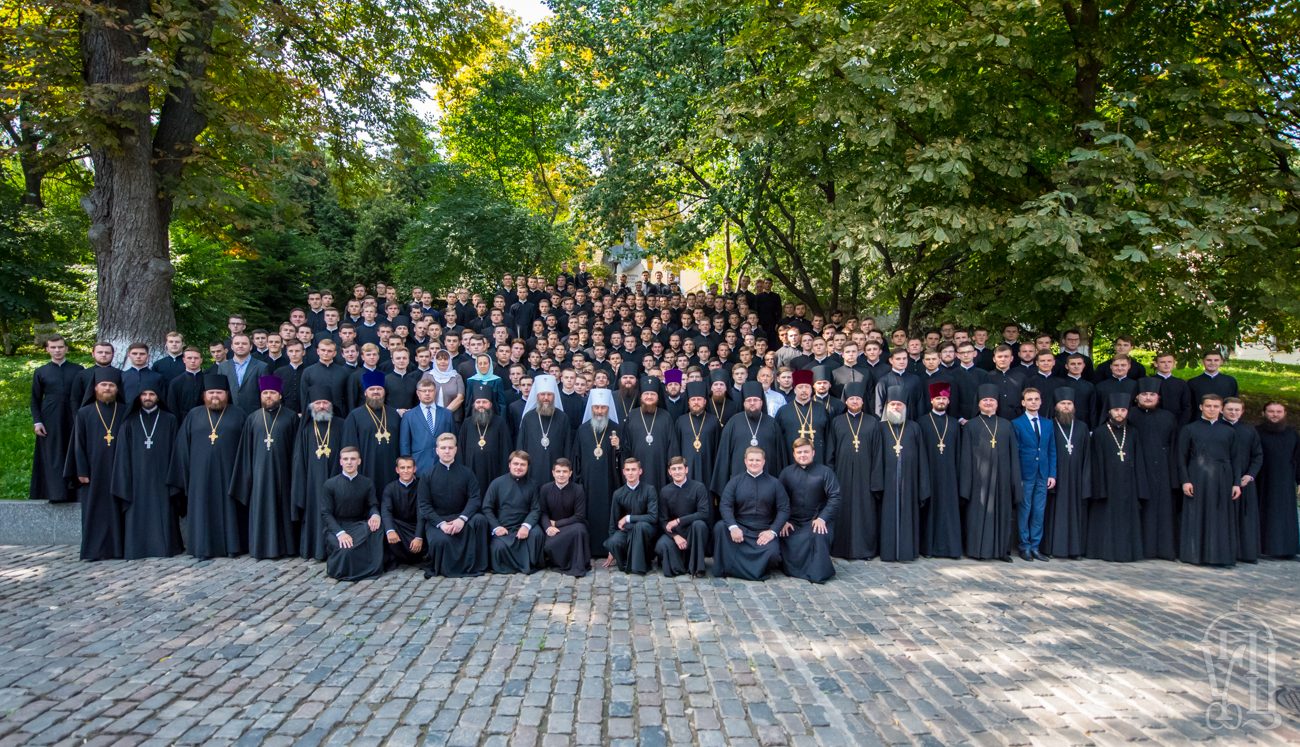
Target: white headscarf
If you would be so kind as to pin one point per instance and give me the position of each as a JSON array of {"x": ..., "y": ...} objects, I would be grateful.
[
  {"x": 543, "y": 383},
  {"x": 604, "y": 397}
]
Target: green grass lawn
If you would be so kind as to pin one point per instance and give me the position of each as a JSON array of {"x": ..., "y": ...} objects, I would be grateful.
[{"x": 1260, "y": 381}]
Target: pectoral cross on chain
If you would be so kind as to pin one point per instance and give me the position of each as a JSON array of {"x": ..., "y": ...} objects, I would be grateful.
[
  {"x": 1121, "y": 454},
  {"x": 268, "y": 441}
]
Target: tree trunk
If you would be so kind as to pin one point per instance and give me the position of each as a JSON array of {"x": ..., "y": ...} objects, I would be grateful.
[{"x": 128, "y": 216}]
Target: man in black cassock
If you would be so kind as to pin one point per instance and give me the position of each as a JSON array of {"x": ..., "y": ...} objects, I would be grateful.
[
  {"x": 649, "y": 435},
  {"x": 751, "y": 428},
  {"x": 262, "y": 480},
  {"x": 698, "y": 433},
  {"x": 941, "y": 515},
  {"x": 451, "y": 510},
  {"x": 1279, "y": 528},
  {"x": 144, "y": 451},
  {"x": 95, "y": 435},
  {"x": 400, "y": 518},
  {"x": 596, "y": 466},
  {"x": 754, "y": 509},
  {"x": 721, "y": 406},
  {"x": 814, "y": 502},
  {"x": 988, "y": 476},
  {"x": 854, "y": 435},
  {"x": 1064, "y": 518},
  {"x": 1211, "y": 380},
  {"x": 1119, "y": 382},
  {"x": 484, "y": 438},
  {"x": 899, "y": 375},
  {"x": 901, "y": 480},
  {"x": 1249, "y": 460},
  {"x": 511, "y": 510},
  {"x": 328, "y": 373},
  {"x": 202, "y": 465},
  {"x": 1206, "y": 459},
  {"x": 350, "y": 517},
  {"x": 544, "y": 433},
  {"x": 563, "y": 509},
  {"x": 684, "y": 510},
  {"x": 633, "y": 519},
  {"x": 802, "y": 418},
  {"x": 1119, "y": 485},
  {"x": 671, "y": 400},
  {"x": 627, "y": 398},
  {"x": 315, "y": 460},
  {"x": 373, "y": 429},
  {"x": 822, "y": 399},
  {"x": 1157, "y": 429},
  {"x": 102, "y": 353},
  {"x": 185, "y": 390},
  {"x": 52, "y": 416}
]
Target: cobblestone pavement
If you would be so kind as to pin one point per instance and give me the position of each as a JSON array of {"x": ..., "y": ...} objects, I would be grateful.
[{"x": 933, "y": 652}]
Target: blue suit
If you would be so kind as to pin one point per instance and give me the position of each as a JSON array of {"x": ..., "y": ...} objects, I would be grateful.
[
  {"x": 418, "y": 440},
  {"x": 1037, "y": 465}
]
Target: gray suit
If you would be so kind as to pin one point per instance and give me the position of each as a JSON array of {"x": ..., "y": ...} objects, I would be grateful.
[{"x": 246, "y": 396}]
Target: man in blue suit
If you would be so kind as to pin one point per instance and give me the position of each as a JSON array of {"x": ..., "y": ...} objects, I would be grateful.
[
  {"x": 1037, "y": 446},
  {"x": 422, "y": 424}
]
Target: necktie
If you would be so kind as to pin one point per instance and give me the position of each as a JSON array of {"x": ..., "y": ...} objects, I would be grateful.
[
  {"x": 1037, "y": 433},
  {"x": 428, "y": 416}
]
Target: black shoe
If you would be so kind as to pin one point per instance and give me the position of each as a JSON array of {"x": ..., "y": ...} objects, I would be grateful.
[
  {"x": 428, "y": 575},
  {"x": 1041, "y": 556},
  {"x": 1024, "y": 555},
  {"x": 1005, "y": 558}
]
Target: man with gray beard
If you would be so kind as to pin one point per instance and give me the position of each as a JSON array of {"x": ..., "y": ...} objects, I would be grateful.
[
  {"x": 315, "y": 460},
  {"x": 544, "y": 433},
  {"x": 484, "y": 438},
  {"x": 900, "y": 480},
  {"x": 596, "y": 458}
]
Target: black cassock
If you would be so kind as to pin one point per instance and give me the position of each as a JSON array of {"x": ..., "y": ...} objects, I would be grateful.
[
  {"x": 346, "y": 506},
  {"x": 263, "y": 481},
  {"x": 545, "y": 440},
  {"x": 1158, "y": 431},
  {"x": 941, "y": 535},
  {"x": 399, "y": 512},
  {"x": 902, "y": 481},
  {"x": 691, "y": 505},
  {"x": 988, "y": 477},
  {"x": 201, "y": 468},
  {"x": 814, "y": 494},
  {"x": 1206, "y": 457},
  {"x": 756, "y": 504},
  {"x": 140, "y": 484},
  {"x": 651, "y": 440},
  {"x": 446, "y": 494},
  {"x": 1064, "y": 517},
  {"x": 1119, "y": 486},
  {"x": 512, "y": 502},
  {"x": 633, "y": 546},
  {"x": 1249, "y": 460},
  {"x": 333, "y": 377},
  {"x": 52, "y": 406},
  {"x": 565, "y": 509},
  {"x": 90, "y": 455},
  {"x": 184, "y": 393},
  {"x": 809, "y": 421},
  {"x": 490, "y": 460},
  {"x": 599, "y": 477},
  {"x": 739, "y": 434},
  {"x": 378, "y": 454},
  {"x": 315, "y": 460},
  {"x": 722, "y": 412},
  {"x": 857, "y": 530},
  {"x": 1279, "y": 528},
  {"x": 700, "y": 460}
]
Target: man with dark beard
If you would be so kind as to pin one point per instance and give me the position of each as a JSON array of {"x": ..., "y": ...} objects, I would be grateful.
[
  {"x": 854, "y": 436},
  {"x": 941, "y": 432},
  {"x": 814, "y": 503},
  {"x": 627, "y": 398},
  {"x": 802, "y": 418},
  {"x": 1063, "y": 519},
  {"x": 721, "y": 406},
  {"x": 596, "y": 458},
  {"x": 698, "y": 433},
  {"x": 262, "y": 479},
  {"x": 1249, "y": 460},
  {"x": 1157, "y": 429},
  {"x": 372, "y": 429},
  {"x": 201, "y": 468},
  {"x": 649, "y": 435},
  {"x": 1119, "y": 485},
  {"x": 484, "y": 438},
  {"x": 1206, "y": 458},
  {"x": 544, "y": 433},
  {"x": 316, "y": 459},
  {"x": 95, "y": 432},
  {"x": 140, "y": 481},
  {"x": 989, "y": 479},
  {"x": 1279, "y": 528},
  {"x": 753, "y": 428},
  {"x": 901, "y": 480}
]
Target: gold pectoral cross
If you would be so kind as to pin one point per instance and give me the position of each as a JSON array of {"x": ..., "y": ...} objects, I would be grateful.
[
  {"x": 898, "y": 450},
  {"x": 322, "y": 451},
  {"x": 856, "y": 443},
  {"x": 108, "y": 438},
  {"x": 212, "y": 438},
  {"x": 993, "y": 442}
]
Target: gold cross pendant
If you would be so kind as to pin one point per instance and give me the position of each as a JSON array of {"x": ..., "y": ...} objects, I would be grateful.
[
  {"x": 898, "y": 449},
  {"x": 212, "y": 437},
  {"x": 108, "y": 438},
  {"x": 1121, "y": 454},
  {"x": 993, "y": 442},
  {"x": 856, "y": 443},
  {"x": 941, "y": 447}
]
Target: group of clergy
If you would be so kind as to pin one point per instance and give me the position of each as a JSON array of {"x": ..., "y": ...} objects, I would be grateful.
[{"x": 897, "y": 458}]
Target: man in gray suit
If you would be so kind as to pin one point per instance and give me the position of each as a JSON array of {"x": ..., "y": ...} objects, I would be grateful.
[{"x": 243, "y": 370}]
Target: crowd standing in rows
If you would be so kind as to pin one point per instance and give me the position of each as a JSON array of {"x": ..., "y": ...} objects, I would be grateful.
[{"x": 559, "y": 421}]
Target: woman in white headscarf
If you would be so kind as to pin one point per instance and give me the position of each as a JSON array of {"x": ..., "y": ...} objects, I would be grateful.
[{"x": 451, "y": 388}]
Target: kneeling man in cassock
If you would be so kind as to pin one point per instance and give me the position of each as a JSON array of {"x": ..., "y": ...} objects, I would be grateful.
[
  {"x": 684, "y": 507},
  {"x": 399, "y": 513},
  {"x": 814, "y": 503},
  {"x": 754, "y": 508},
  {"x": 633, "y": 516},
  {"x": 451, "y": 514},
  {"x": 349, "y": 509},
  {"x": 512, "y": 511}
]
